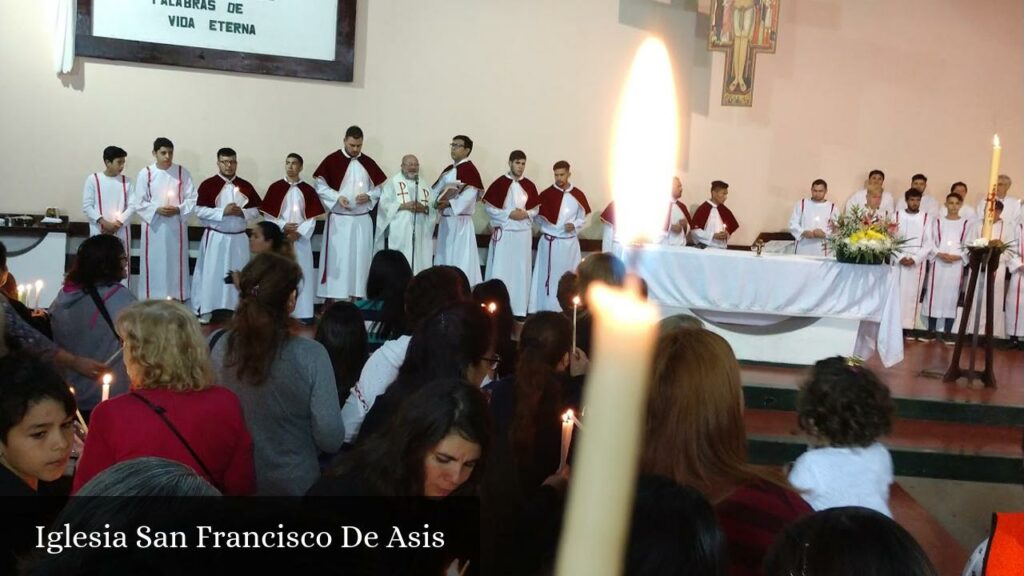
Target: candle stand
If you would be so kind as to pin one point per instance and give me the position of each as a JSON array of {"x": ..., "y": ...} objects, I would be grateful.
[{"x": 983, "y": 260}]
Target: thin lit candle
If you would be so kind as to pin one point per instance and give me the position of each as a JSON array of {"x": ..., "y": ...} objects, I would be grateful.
[
  {"x": 105, "y": 393},
  {"x": 170, "y": 197},
  {"x": 78, "y": 414},
  {"x": 567, "y": 424},
  {"x": 39, "y": 291},
  {"x": 575, "y": 309},
  {"x": 21, "y": 293}
]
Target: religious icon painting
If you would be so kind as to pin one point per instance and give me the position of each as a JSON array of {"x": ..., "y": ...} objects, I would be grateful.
[{"x": 741, "y": 29}]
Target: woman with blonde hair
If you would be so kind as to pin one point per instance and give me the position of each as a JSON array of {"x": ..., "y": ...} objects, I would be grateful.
[
  {"x": 173, "y": 411},
  {"x": 695, "y": 435}
]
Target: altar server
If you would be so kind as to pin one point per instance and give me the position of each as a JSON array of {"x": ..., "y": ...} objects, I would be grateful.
[
  {"x": 349, "y": 184},
  {"x": 1015, "y": 293},
  {"x": 678, "y": 225},
  {"x": 510, "y": 254},
  {"x": 562, "y": 211},
  {"x": 1003, "y": 232},
  {"x": 164, "y": 199},
  {"x": 225, "y": 205},
  {"x": 106, "y": 200},
  {"x": 915, "y": 225},
  {"x": 949, "y": 235},
  {"x": 966, "y": 211},
  {"x": 406, "y": 218},
  {"x": 929, "y": 205},
  {"x": 456, "y": 191},
  {"x": 713, "y": 223},
  {"x": 294, "y": 206},
  {"x": 810, "y": 220},
  {"x": 876, "y": 180},
  {"x": 608, "y": 227}
]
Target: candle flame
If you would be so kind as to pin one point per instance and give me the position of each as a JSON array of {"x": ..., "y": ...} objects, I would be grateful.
[
  {"x": 492, "y": 307},
  {"x": 107, "y": 379},
  {"x": 646, "y": 145},
  {"x": 567, "y": 418},
  {"x": 575, "y": 300},
  {"x": 72, "y": 388},
  {"x": 995, "y": 141},
  {"x": 39, "y": 285}
]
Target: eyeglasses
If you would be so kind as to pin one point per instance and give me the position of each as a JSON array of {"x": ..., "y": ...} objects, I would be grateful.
[
  {"x": 454, "y": 145},
  {"x": 493, "y": 360}
]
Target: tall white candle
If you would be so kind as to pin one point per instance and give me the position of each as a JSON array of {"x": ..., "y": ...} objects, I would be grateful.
[
  {"x": 575, "y": 309},
  {"x": 105, "y": 393},
  {"x": 21, "y": 293},
  {"x": 170, "y": 199},
  {"x": 28, "y": 295},
  {"x": 567, "y": 423},
  {"x": 39, "y": 291}
]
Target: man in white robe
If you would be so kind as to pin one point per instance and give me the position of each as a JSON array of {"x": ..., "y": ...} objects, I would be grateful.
[
  {"x": 406, "y": 218},
  {"x": 164, "y": 200},
  {"x": 914, "y": 225},
  {"x": 1011, "y": 205},
  {"x": 1002, "y": 231},
  {"x": 510, "y": 253},
  {"x": 678, "y": 226},
  {"x": 349, "y": 184},
  {"x": 949, "y": 236},
  {"x": 225, "y": 205},
  {"x": 562, "y": 211},
  {"x": 929, "y": 205},
  {"x": 713, "y": 223},
  {"x": 876, "y": 179},
  {"x": 456, "y": 192},
  {"x": 294, "y": 206},
  {"x": 810, "y": 220},
  {"x": 106, "y": 201},
  {"x": 1015, "y": 291},
  {"x": 966, "y": 210}
]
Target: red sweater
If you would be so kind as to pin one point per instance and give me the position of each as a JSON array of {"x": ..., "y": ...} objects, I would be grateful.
[
  {"x": 124, "y": 428},
  {"x": 751, "y": 518}
]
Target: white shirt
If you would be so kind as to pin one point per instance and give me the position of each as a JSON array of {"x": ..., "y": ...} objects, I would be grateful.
[
  {"x": 834, "y": 477},
  {"x": 378, "y": 373}
]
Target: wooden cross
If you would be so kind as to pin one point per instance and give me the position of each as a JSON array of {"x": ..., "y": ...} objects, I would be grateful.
[{"x": 741, "y": 29}]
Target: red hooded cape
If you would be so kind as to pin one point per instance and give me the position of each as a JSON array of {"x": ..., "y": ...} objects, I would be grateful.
[
  {"x": 334, "y": 167},
  {"x": 274, "y": 199},
  {"x": 700, "y": 217},
  {"x": 211, "y": 187},
  {"x": 465, "y": 173},
  {"x": 550, "y": 202},
  {"x": 497, "y": 192}
]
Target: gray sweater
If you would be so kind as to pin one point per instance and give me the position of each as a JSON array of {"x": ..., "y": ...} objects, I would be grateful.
[{"x": 292, "y": 417}]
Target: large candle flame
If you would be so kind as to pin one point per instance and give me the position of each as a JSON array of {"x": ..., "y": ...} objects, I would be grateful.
[
  {"x": 646, "y": 148},
  {"x": 995, "y": 141}
]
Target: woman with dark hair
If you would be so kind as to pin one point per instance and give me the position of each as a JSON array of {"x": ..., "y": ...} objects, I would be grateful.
[
  {"x": 285, "y": 383},
  {"x": 695, "y": 435},
  {"x": 384, "y": 306},
  {"x": 457, "y": 342},
  {"x": 428, "y": 292},
  {"x": 343, "y": 333},
  {"x": 83, "y": 314},
  {"x": 849, "y": 541},
  {"x": 267, "y": 237},
  {"x": 494, "y": 292}
]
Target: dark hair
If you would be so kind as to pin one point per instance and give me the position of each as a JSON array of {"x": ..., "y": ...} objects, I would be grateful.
[
  {"x": 296, "y": 156},
  {"x": 566, "y": 291},
  {"x": 226, "y": 152},
  {"x": 912, "y": 193},
  {"x": 954, "y": 195},
  {"x": 3, "y": 255},
  {"x": 98, "y": 261},
  {"x": 354, "y": 132},
  {"x": 561, "y": 165},
  {"x": 955, "y": 184},
  {"x": 466, "y": 141},
  {"x": 718, "y": 185},
  {"x": 845, "y": 404},
  {"x": 848, "y": 541},
  {"x": 516, "y": 155},
  {"x": 392, "y": 461},
  {"x": 111, "y": 153},
  {"x": 387, "y": 281},
  {"x": 494, "y": 292},
  {"x": 342, "y": 332},
  {"x": 545, "y": 340},
  {"x": 876, "y": 172},
  {"x": 918, "y": 177},
  {"x": 27, "y": 381},
  {"x": 433, "y": 289},
  {"x": 674, "y": 531},
  {"x": 162, "y": 142},
  {"x": 279, "y": 243},
  {"x": 819, "y": 182},
  {"x": 260, "y": 325}
]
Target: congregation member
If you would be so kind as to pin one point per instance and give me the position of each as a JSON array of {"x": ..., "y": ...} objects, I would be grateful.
[
  {"x": 265, "y": 237},
  {"x": 510, "y": 253},
  {"x": 9, "y": 295},
  {"x": 342, "y": 333},
  {"x": 811, "y": 219},
  {"x": 602, "y": 267},
  {"x": 875, "y": 183},
  {"x": 999, "y": 554},
  {"x": 106, "y": 200},
  {"x": 293, "y": 206},
  {"x": 949, "y": 256},
  {"x": 428, "y": 292},
  {"x": 164, "y": 199},
  {"x": 1015, "y": 290},
  {"x": 966, "y": 210},
  {"x": 82, "y": 316},
  {"x": 677, "y": 228},
  {"x": 695, "y": 435},
  {"x": 713, "y": 223},
  {"x": 1011, "y": 205},
  {"x": 929, "y": 205},
  {"x": 845, "y": 409},
  {"x": 285, "y": 383},
  {"x": 494, "y": 297},
  {"x": 383, "y": 309},
  {"x": 915, "y": 225},
  {"x": 562, "y": 210},
  {"x": 224, "y": 206},
  {"x": 455, "y": 192},
  {"x": 406, "y": 217},
  {"x": 349, "y": 185},
  {"x": 174, "y": 410}
]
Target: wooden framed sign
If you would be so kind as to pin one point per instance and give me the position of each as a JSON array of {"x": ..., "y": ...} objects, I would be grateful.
[{"x": 298, "y": 38}]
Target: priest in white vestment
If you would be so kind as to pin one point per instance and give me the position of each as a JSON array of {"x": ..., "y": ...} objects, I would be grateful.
[
  {"x": 915, "y": 226},
  {"x": 294, "y": 206},
  {"x": 349, "y": 185},
  {"x": 1011, "y": 205},
  {"x": 876, "y": 179},
  {"x": 809, "y": 222},
  {"x": 225, "y": 206},
  {"x": 456, "y": 192},
  {"x": 510, "y": 253},
  {"x": 562, "y": 211},
  {"x": 406, "y": 217},
  {"x": 106, "y": 201},
  {"x": 164, "y": 200}
]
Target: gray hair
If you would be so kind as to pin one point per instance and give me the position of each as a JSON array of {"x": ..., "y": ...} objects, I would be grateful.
[{"x": 148, "y": 477}]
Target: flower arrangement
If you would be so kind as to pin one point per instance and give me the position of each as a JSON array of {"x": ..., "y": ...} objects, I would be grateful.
[{"x": 861, "y": 236}]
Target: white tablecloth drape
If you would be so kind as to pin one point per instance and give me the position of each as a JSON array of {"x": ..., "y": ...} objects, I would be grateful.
[{"x": 733, "y": 281}]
